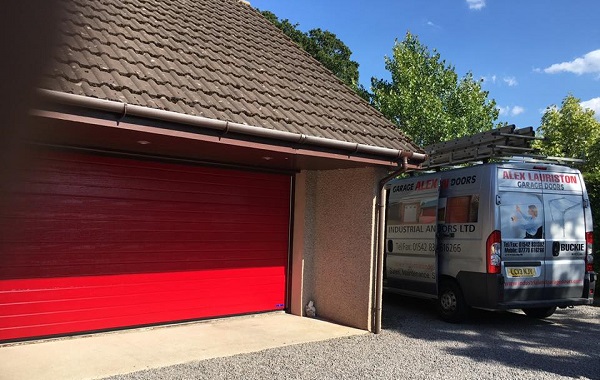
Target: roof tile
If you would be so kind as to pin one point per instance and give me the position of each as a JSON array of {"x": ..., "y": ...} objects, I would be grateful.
[{"x": 214, "y": 58}]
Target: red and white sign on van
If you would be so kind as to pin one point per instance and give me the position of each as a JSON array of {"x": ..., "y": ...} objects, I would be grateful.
[{"x": 535, "y": 180}]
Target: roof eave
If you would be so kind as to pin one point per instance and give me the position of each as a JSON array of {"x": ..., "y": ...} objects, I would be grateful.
[{"x": 122, "y": 110}]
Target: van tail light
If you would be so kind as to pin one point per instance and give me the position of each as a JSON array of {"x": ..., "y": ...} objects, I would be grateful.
[
  {"x": 493, "y": 257},
  {"x": 589, "y": 252}
]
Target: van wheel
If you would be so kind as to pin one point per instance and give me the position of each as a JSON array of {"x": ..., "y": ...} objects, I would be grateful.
[
  {"x": 540, "y": 312},
  {"x": 451, "y": 303}
]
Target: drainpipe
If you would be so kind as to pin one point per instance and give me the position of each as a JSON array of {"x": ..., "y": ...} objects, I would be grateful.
[{"x": 381, "y": 243}]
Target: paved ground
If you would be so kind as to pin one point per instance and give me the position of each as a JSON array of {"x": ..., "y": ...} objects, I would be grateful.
[
  {"x": 101, "y": 355},
  {"x": 415, "y": 344}
]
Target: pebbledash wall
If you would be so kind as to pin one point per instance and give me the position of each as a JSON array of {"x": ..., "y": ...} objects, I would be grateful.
[{"x": 334, "y": 246}]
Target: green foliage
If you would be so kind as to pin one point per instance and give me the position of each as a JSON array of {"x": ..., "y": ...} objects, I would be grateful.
[
  {"x": 333, "y": 54},
  {"x": 571, "y": 131},
  {"x": 326, "y": 48},
  {"x": 427, "y": 100},
  {"x": 592, "y": 183},
  {"x": 289, "y": 29}
]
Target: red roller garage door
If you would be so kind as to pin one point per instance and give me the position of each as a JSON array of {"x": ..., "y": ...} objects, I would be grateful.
[{"x": 94, "y": 242}]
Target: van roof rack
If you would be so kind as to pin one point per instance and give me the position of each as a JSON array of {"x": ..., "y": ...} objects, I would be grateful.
[
  {"x": 542, "y": 159},
  {"x": 507, "y": 143}
]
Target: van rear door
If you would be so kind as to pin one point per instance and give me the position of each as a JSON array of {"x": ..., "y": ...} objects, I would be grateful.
[
  {"x": 543, "y": 234},
  {"x": 523, "y": 246},
  {"x": 564, "y": 226},
  {"x": 411, "y": 264}
]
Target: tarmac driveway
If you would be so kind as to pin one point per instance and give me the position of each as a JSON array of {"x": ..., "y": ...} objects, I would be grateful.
[{"x": 416, "y": 345}]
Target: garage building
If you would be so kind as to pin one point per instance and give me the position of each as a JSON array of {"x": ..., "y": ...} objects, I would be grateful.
[{"x": 185, "y": 160}]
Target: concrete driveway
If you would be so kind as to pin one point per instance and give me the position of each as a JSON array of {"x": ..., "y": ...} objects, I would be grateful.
[
  {"x": 415, "y": 344},
  {"x": 106, "y": 354}
]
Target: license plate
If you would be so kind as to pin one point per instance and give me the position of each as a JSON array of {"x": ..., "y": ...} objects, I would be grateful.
[{"x": 521, "y": 272}]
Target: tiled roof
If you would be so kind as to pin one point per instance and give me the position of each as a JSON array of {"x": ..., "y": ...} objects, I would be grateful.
[{"x": 213, "y": 58}]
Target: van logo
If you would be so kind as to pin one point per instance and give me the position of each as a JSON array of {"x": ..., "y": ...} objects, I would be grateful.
[
  {"x": 459, "y": 181},
  {"x": 520, "y": 176},
  {"x": 539, "y": 177},
  {"x": 571, "y": 247},
  {"x": 427, "y": 184}
]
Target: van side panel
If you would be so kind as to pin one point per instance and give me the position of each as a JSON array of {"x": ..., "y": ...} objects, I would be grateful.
[
  {"x": 461, "y": 222},
  {"x": 411, "y": 261}
]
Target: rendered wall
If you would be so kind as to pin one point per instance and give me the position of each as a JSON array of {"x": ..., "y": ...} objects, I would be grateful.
[{"x": 334, "y": 244}]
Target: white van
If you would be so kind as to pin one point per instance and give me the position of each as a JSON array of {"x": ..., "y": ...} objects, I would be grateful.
[{"x": 492, "y": 236}]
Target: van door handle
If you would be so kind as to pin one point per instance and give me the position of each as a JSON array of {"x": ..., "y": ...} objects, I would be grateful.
[{"x": 555, "y": 248}]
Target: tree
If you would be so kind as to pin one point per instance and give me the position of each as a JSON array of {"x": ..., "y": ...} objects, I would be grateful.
[
  {"x": 289, "y": 29},
  {"x": 326, "y": 48},
  {"x": 592, "y": 184},
  {"x": 333, "y": 54},
  {"x": 427, "y": 100},
  {"x": 571, "y": 131}
]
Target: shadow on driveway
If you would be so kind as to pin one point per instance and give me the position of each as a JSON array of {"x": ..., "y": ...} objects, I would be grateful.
[{"x": 565, "y": 344}]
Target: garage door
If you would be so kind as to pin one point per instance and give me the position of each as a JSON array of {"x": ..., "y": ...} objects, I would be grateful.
[{"x": 94, "y": 242}]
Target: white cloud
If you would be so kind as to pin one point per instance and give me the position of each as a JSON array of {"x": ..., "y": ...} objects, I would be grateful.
[
  {"x": 594, "y": 105},
  {"x": 476, "y": 4},
  {"x": 511, "y": 111},
  {"x": 589, "y": 63},
  {"x": 517, "y": 110},
  {"x": 491, "y": 79},
  {"x": 433, "y": 25},
  {"x": 511, "y": 81}
]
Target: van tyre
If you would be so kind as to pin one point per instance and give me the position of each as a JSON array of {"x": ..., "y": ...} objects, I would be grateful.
[
  {"x": 540, "y": 312},
  {"x": 451, "y": 303}
]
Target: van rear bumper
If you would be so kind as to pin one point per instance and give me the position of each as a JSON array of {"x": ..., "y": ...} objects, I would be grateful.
[
  {"x": 487, "y": 291},
  {"x": 544, "y": 303}
]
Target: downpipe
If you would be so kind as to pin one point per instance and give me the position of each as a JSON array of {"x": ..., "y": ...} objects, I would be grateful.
[{"x": 381, "y": 208}]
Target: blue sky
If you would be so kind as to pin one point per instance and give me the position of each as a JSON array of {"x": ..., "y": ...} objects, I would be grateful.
[{"x": 530, "y": 53}]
